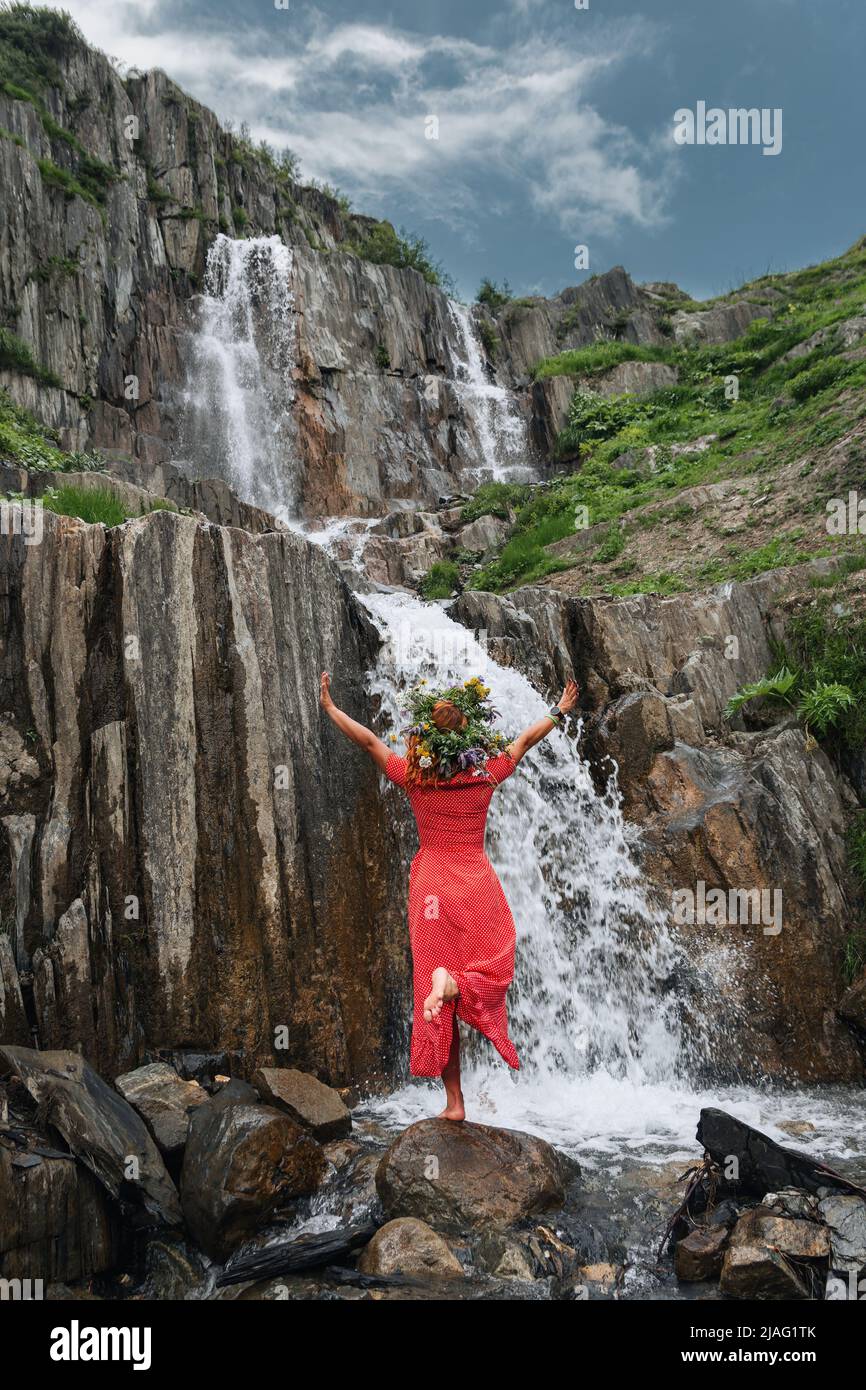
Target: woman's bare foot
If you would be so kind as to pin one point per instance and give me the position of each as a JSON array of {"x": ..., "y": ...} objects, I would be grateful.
[
  {"x": 454, "y": 1110},
  {"x": 444, "y": 988}
]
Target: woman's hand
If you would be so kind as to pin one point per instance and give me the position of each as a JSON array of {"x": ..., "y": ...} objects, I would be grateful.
[
  {"x": 568, "y": 699},
  {"x": 325, "y": 692}
]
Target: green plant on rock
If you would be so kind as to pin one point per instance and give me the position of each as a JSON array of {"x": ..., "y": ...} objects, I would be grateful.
[
  {"x": 777, "y": 689},
  {"x": 494, "y": 297},
  {"x": 441, "y": 580},
  {"x": 98, "y": 505},
  {"x": 17, "y": 356},
  {"x": 823, "y": 707}
]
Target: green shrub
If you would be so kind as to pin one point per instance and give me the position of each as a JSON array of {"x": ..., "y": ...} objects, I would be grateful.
[
  {"x": 818, "y": 378},
  {"x": 492, "y": 295},
  {"x": 383, "y": 357},
  {"x": 384, "y": 246},
  {"x": 441, "y": 580},
  {"x": 16, "y": 356}
]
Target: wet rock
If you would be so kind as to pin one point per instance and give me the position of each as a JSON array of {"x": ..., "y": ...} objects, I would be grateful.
[
  {"x": 242, "y": 1164},
  {"x": 317, "y": 1108},
  {"x": 756, "y": 1272},
  {"x": 846, "y": 1224},
  {"x": 215, "y": 719},
  {"x": 100, "y": 1127},
  {"x": 410, "y": 1247},
  {"x": 341, "y": 1152},
  {"x": 164, "y": 1102},
  {"x": 798, "y": 1239},
  {"x": 468, "y": 1176},
  {"x": 852, "y": 1005},
  {"x": 762, "y": 1164},
  {"x": 235, "y": 1092},
  {"x": 173, "y": 1269},
  {"x": 203, "y": 1067},
  {"x": 505, "y": 1256},
  {"x": 699, "y": 1256},
  {"x": 56, "y": 1221}
]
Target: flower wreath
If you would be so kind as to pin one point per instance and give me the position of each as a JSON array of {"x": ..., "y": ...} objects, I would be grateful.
[{"x": 440, "y": 754}]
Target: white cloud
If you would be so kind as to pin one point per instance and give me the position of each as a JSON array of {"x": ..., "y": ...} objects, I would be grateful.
[{"x": 517, "y": 123}]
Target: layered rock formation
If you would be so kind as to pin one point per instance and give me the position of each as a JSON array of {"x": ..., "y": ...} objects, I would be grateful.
[
  {"x": 188, "y": 855},
  {"x": 736, "y": 811}
]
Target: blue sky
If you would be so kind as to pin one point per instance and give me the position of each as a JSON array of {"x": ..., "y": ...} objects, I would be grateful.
[{"x": 555, "y": 125}]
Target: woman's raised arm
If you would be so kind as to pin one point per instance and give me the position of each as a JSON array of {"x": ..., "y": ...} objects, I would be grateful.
[
  {"x": 358, "y": 733},
  {"x": 542, "y": 727}
]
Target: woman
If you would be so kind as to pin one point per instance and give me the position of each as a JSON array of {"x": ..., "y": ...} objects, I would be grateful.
[{"x": 460, "y": 926}]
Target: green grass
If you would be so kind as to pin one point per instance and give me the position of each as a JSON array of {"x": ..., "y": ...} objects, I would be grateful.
[
  {"x": 16, "y": 356},
  {"x": 785, "y": 410},
  {"x": 597, "y": 358},
  {"x": 441, "y": 580},
  {"x": 94, "y": 505},
  {"x": 23, "y": 441}
]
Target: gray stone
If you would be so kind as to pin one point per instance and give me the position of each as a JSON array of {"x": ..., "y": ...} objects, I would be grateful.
[
  {"x": 164, "y": 1101},
  {"x": 846, "y": 1222},
  {"x": 100, "y": 1127},
  {"x": 409, "y": 1247},
  {"x": 317, "y": 1108}
]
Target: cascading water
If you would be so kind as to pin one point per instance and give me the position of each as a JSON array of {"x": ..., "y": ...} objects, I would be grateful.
[
  {"x": 237, "y": 421},
  {"x": 499, "y": 427},
  {"x": 606, "y": 1062}
]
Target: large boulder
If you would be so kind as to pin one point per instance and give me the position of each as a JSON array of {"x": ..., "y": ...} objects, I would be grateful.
[
  {"x": 314, "y": 1106},
  {"x": 164, "y": 1101},
  {"x": 410, "y": 1247},
  {"x": 242, "y": 1164},
  {"x": 101, "y": 1129},
  {"x": 762, "y": 1165},
  {"x": 467, "y": 1176}
]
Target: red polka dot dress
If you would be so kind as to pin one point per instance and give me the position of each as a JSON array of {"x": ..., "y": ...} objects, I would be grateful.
[{"x": 458, "y": 913}]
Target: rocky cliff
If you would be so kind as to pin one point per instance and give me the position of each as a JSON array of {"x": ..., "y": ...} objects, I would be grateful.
[{"x": 188, "y": 855}]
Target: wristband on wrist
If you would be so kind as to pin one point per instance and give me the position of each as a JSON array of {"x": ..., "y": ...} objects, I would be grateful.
[{"x": 555, "y": 713}]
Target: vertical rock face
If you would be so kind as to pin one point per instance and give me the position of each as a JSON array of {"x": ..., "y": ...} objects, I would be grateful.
[{"x": 188, "y": 854}]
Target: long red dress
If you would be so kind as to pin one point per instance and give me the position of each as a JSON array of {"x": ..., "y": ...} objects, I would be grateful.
[{"x": 458, "y": 913}]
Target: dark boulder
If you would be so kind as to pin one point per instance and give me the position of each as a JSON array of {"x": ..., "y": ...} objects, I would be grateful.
[
  {"x": 101, "y": 1129},
  {"x": 466, "y": 1176},
  {"x": 762, "y": 1165},
  {"x": 242, "y": 1164}
]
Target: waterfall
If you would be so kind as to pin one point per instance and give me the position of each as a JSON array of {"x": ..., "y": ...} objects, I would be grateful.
[
  {"x": 591, "y": 1004},
  {"x": 498, "y": 425},
  {"x": 237, "y": 421}
]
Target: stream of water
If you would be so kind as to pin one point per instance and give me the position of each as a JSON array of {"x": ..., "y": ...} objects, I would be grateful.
[
  {"x": 499, "y": 426},
  {"x": 237, "y": 408}
]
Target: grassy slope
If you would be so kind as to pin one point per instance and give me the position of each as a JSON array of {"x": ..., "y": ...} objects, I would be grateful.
[{"x": 795, "y": 438}]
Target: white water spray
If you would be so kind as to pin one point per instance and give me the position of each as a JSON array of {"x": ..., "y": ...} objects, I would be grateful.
[
  {"x": 237, "y": 418},
  {"x": 498, "y": 425}
]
